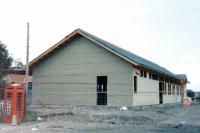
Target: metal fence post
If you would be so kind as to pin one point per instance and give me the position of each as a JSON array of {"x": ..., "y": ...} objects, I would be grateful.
[
  {"x": 118, "y": 107},
  {"x": 176, "y": 105},
  {"x": 91, "y": 113}
]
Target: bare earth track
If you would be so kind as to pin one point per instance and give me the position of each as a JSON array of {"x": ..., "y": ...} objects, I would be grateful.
[{"x": 86, "y": 119}]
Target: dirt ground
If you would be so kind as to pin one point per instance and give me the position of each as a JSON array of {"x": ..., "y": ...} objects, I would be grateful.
[{"x": 101, "y": 119}]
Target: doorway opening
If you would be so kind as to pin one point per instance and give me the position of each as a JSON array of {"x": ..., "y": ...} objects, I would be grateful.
[
  {"x": 101, "y": 90},
  {"x": 161, "y": 85}
]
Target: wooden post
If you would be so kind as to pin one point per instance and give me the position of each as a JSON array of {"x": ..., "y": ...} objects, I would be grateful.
[{"x": 27, "y": 66}]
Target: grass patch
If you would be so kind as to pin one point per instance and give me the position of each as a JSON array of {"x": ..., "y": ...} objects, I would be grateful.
[{"x": 30, "y": 116}]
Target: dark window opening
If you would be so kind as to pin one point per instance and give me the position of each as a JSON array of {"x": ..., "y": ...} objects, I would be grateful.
[
  {"x": 173, "y": 90},
  {"x": 141, "y": 73},
  {"x": 150, "y": 76},
  {"x": 166, "y": 80},
  {"x": 145, "y": 74},
  {"x": 135, "y": 84},
  {"x": 161, "y": 79},
  {"x": 165, "y": 89},
  {"x": 176, "y": 82},
  {"x": 155, "y": 77},
  {"x": 169, "y": 89}
]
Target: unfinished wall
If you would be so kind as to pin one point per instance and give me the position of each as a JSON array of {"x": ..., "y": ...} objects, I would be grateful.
[
  {"x": 171, "y": 98},
  {"x": 69, "y": 76},
  {"x": 147, "y": 91}
]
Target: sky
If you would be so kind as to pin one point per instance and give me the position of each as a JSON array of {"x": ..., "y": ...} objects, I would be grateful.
[{"x": 163, "y": 31}]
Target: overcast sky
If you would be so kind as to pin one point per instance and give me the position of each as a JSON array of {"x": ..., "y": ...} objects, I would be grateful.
[{"x": 163, "y": 31}]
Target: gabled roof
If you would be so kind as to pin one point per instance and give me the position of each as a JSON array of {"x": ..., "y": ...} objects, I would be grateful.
[
  {"x": 124, "y": 54},
  {"x": 182, "y": 77}
]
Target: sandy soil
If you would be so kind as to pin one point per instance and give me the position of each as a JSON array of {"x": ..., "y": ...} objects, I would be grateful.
[{"x": 85, "y": 119}]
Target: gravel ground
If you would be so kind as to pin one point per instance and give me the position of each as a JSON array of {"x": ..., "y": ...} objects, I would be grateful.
[{"x": 102, "y": 119}]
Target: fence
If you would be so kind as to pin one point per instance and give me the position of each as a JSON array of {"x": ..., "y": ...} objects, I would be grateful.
[
  {"x": 143, "y": 110},
  {"x": 142, "y": 106},
  {"x": 105, "y": 98}
]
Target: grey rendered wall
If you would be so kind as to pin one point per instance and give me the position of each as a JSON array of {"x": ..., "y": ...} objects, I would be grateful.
[
  {"x": 74, "y": 69},
  {"x": 147, "y": 90}
]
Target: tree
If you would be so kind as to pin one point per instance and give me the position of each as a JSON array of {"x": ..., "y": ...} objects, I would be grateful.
[
  {"x": 5, "y": 61},
  {"x": 17, "y": 63}
]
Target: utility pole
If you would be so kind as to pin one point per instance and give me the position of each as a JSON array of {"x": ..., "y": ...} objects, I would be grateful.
[{"x": 27, "y": 67}]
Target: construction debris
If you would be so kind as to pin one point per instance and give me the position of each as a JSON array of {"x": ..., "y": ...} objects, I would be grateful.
[
  {"x": 123, "y": 108},
  {"x": 39, "y": 119}
]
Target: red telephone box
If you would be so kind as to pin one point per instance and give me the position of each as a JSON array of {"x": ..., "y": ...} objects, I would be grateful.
[{"x": 14, "y": 95}]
